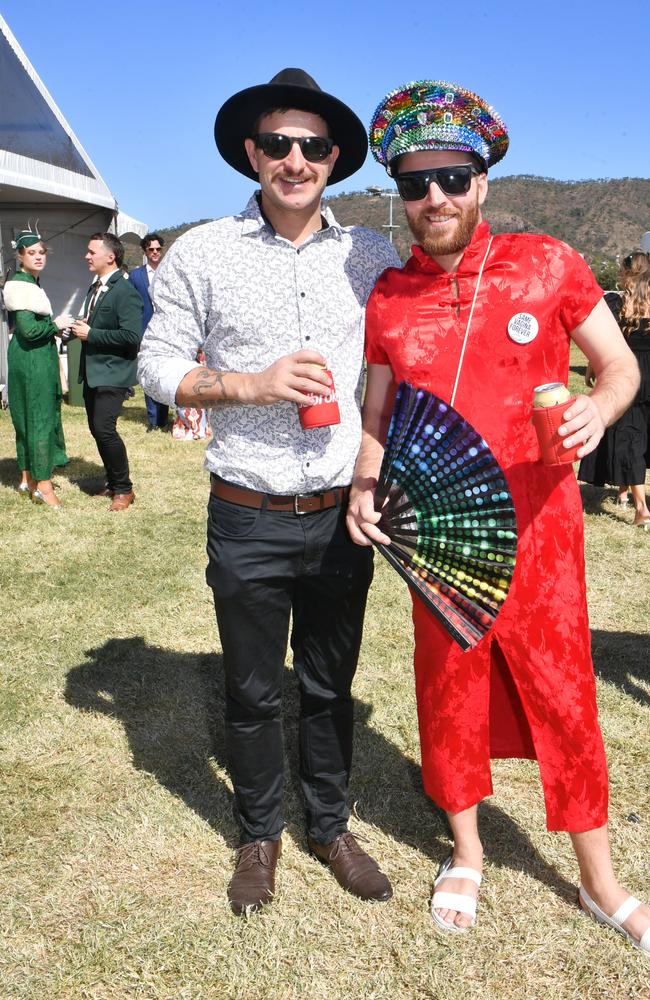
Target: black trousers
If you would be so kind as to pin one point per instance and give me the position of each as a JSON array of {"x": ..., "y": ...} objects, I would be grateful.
[
  {"x": 265, "y": 567},
  {"x": 103, "y": 407}
]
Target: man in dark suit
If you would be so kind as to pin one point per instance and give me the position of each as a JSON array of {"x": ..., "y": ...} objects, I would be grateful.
[
  {"x": 110, "y": 336},
  {"x": 142, "y": 277}
]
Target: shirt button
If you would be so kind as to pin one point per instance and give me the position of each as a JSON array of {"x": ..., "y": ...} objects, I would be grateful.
[
  {"x": 302, "y": 295},
  {"x": 307, "y": 337},
  {"x": 307, "y": 464}
]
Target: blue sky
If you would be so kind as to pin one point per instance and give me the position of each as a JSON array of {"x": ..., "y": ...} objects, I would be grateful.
[{"x": 140, "y": 84}]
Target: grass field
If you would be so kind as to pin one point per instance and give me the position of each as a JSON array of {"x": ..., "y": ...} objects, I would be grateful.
[{"x": 115, "y": 806}]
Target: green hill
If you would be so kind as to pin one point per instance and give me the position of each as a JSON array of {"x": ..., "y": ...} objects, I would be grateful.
[{"x": 599, "y": 218}]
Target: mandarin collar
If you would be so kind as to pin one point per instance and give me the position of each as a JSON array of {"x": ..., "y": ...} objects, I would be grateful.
[{"x": 469, "y": 263}]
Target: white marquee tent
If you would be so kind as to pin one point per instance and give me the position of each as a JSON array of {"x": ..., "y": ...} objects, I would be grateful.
[{"x": 46, "y": 175}]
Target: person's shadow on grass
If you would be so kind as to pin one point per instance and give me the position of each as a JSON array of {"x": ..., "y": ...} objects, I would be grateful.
[
  {"x": 135, "y": 413},
  {"x": 76, "y": 470},
  {"x": 594, "y": 502},
  {"x": 171, "y": 706},
  {"x": 623, "y": 659}
]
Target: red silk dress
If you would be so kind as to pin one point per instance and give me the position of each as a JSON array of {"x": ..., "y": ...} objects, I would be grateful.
[{"x": 527, "y": 689}]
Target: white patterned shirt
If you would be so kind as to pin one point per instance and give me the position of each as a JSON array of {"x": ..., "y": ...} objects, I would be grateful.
[{"x": 247, "y": 296}]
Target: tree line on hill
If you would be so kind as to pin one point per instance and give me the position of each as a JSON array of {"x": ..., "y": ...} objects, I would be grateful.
[{"x": 602, "y": 219}]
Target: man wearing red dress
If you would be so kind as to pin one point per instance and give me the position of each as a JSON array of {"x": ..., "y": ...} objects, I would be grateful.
[{"x": 485, "y": 319}]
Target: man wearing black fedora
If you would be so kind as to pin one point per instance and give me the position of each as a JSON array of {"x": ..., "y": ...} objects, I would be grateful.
[{"x": 275, "y": 296}]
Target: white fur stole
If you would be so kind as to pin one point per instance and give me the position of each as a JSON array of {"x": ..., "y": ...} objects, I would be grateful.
[{"x": 26, "y": 295}]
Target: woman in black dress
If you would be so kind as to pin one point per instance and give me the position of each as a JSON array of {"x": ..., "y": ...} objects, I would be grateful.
[{"x": 623, "y": 455}]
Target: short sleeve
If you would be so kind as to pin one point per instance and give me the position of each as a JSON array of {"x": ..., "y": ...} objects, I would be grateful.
[
  {"x": 374, "y": 348},
  {"x": 576, "y": 287}
]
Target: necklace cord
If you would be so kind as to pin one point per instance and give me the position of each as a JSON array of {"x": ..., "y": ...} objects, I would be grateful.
[{"x": 469, "y": 322}]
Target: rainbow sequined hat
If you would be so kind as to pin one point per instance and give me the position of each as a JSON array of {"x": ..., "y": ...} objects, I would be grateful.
[{"x": 431, "y": 114}]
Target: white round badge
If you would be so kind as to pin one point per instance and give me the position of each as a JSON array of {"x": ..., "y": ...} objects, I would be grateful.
[{"x": 522, "y": 328}]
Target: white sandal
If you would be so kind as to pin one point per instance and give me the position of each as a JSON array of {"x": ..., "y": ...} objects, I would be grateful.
[
  {"x": 618, "y": 919},
  {"x": 454, "y": 900}
]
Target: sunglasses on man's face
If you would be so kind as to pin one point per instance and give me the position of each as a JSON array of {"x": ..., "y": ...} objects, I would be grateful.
[
  {"x": 153, "y": 249},
  {"x": 414, "y": 185},
  {"x": 276, "y": 146}
]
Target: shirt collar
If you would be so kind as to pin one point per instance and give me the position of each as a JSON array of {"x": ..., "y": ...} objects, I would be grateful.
[
  {"x": 254, "y": 221},
  {"x": 107, "y": 277}
]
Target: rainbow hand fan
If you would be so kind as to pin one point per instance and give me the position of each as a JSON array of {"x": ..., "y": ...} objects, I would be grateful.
[{"x": 447, "y": 509}]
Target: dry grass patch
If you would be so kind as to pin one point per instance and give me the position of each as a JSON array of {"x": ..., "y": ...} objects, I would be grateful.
[{"x": 115, "y": 812}]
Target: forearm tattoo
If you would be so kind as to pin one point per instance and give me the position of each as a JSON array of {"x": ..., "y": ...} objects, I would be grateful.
[{"x": 210, "y": 383}]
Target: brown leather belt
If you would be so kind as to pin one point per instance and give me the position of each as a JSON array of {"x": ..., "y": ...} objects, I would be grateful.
[{"x": 300, "y": 504}]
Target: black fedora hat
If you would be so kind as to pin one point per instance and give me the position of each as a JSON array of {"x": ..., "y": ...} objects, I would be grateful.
[{"x": 290, "y": 88}]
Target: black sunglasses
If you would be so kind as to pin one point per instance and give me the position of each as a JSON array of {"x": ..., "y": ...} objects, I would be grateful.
[
  {"x": 276, "y": 146},
  {"x": 414, "y": 185}
]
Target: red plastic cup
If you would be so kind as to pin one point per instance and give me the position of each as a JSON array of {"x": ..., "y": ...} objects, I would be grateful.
[
  {"x": 323, "y": 411},
  {"x": 547, "y": 421}
]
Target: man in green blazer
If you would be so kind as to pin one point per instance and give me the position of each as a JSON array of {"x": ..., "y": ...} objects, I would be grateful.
[{"x": 110, "y": 337}]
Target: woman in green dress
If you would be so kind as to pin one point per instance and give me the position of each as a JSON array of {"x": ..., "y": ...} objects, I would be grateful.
[{"x": 34, "y": 382}]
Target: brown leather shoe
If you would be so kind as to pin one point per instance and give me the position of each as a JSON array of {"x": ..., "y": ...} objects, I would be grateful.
[
  {"x": 253, "y": 884},
  {"x": 355, "y": 870},
  {"x": 122, "y": 500}
]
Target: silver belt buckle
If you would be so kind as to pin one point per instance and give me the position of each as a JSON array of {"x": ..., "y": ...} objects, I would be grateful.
[{"x": 296, "y": 500}]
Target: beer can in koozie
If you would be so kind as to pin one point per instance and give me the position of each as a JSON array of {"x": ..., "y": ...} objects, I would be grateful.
[
  {"x": 551, "y": 394},
  {"x": 323, "y": 411},
  {"x": 549, "y": 403}
]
